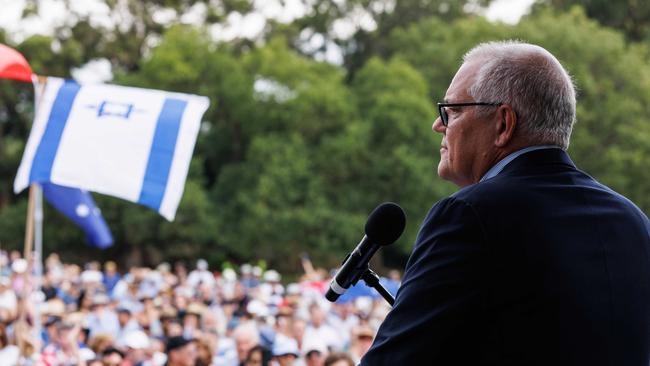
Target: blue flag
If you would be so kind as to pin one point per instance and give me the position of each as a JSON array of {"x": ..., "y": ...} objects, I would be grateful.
[{"x": 78, "y": 205}]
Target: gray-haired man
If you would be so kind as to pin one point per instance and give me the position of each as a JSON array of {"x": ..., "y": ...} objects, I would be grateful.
[{"x": 531, "y": 262}]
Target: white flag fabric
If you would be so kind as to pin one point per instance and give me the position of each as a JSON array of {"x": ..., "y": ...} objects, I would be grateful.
[{"x": 126, "y": 142}]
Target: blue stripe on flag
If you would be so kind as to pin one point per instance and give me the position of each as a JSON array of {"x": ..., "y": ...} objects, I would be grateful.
[
  {"x": 162, "y": 153},
  {"x": 47, "y": 148}
]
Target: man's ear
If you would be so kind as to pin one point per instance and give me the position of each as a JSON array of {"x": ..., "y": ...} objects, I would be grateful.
[{"x": 506, "y": 124}]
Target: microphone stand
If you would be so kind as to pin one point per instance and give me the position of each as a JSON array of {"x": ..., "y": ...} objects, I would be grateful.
[{"x": 372, "y": 280}]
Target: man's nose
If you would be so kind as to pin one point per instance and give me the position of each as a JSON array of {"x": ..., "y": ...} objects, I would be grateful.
[{"x": 438, "y": 126}]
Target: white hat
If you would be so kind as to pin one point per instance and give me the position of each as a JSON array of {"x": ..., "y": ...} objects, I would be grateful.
[
  {"x": 271, "y": 276},
  {"x": 86, "y": 354},
  {"x": 91, "y": 276},
  {"x": 100, "y": 299},
  {"x": 293, "y": 289},
  {"x": 285, "y": 346},
  {"x": 136, "y": 339},
  {"x": 202, "y": 264},
  {"x": 257, "y": 308},
  {"x": 257, "y": 271},
  {"x": 314, "y": 345},
  {"x": 246, "y": 269},
  {"x": 229, "y": 275},
  {"x": 19, "y": 265}
]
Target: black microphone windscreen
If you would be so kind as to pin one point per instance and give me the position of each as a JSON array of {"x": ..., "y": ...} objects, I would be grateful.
[{"x": 385, "y": 223}]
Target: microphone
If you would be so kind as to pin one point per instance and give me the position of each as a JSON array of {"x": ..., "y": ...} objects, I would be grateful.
[{"x": 385, "y": 225}]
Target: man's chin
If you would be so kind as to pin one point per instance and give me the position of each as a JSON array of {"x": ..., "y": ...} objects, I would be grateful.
[
  {"x": 443, "y": 171},
  {"x": 445, "y": 174}
]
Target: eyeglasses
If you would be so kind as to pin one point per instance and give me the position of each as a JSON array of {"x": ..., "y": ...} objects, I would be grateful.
[{"x": 444, "y": 117}]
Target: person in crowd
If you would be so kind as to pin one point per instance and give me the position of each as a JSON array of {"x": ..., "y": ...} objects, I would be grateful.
[
  {"x": 9, "y": 353},
  {"x": 8, "y": 300},
  {"x": 100, "y": 343},
  {"x": 298, "y": 329},
  {"x": 136, "y": 346},
  {"x": 258, "y": 356},
  {"x": 246, "y": 337},
  {"x": 361, "y": 339},
  {"x": 126, "y": 322},
  {"x": 314, "y": 352},
  {"x": 285, "y": 351},
  {"x": 204, "y": 352},
  {"x": 317, "y": 328},
  {"x": 230, "y": 324},
  {"x": 111, "y": 277},
  {"x": 65, "y": 350},
  {"x": 343, "y": 318},
  {"x": 200, "y": 275},
  {"x": 102, "y": 319},
  {"x": 339, "y": 359},
  {"x": 532, "y": 261},
  {"x": 192, "y": 319},
  {"x": 112, "y": 357},
  {"x": 181, "y": 351}
]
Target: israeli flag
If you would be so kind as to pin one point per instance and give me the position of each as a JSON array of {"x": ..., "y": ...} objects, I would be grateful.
[
  {"x": 78, "y": 205},
  {"x": 126, "y": 142}
]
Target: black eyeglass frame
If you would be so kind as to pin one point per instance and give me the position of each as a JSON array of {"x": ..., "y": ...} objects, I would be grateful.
[{"x": 444, "y": 117}]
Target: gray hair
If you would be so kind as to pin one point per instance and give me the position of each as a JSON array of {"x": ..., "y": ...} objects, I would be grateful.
[{"x": 533, "y": 82}]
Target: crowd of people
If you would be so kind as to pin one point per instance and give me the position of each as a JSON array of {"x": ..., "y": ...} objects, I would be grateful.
[{"x": 178, "y": 315}]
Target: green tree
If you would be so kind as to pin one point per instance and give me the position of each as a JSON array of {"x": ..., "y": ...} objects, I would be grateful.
[
  {"x": 611, "y": 135},
  {"x": 632, "y": 17},
  {"x": 293, "y": 153}
]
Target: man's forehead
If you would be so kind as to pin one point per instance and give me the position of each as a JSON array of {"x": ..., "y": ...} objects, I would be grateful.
[{"x": 459, "y": 86}]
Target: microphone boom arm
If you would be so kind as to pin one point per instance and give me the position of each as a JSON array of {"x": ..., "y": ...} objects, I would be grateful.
[{"x": 372, "y": 280}]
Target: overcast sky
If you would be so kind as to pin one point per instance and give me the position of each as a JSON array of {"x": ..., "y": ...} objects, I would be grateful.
[{"x": 53, "y": 12}]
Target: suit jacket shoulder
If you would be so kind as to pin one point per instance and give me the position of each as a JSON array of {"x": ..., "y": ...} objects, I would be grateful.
[{"x": 539, "y": 265}]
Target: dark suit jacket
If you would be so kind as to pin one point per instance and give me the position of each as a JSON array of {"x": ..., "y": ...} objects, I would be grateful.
[{"x": 540, "y": 265}]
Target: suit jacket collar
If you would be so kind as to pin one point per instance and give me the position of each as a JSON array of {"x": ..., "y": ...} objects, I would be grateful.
[{"x": 538, "y": 158}]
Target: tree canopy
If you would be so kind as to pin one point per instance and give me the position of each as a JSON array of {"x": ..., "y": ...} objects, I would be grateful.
[{"x": 295, "y": 152}]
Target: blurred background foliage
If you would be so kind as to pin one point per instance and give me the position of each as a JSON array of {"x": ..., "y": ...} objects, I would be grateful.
[{"x": 294, "y": 152}]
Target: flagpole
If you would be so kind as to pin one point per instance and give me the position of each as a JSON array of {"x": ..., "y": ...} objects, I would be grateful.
[
  {"x": 22, "y": 326},
  {"x": 38, "y": 258},
  {"x": 39, "y": 88},
  {"x": 29, "y": 226},
  {"x": 33, "y": 229}
]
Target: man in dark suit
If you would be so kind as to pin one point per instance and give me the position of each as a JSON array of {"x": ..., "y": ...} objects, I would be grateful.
[{"x": 531, "y": 262}]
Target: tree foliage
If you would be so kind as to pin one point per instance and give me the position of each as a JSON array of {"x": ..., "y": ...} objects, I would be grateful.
[
  {"x": 632, "y": 17},
  {"x": 294, "y": 153}
]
